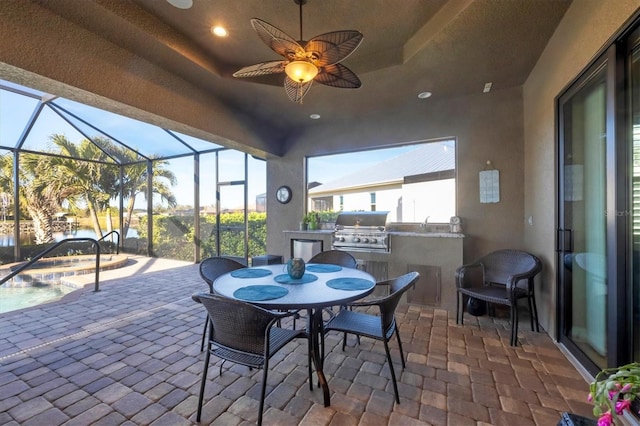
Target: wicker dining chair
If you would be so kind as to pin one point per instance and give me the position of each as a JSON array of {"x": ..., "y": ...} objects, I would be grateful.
[
  {"x": 245, "y": 334},
  {"x": 379, "y": 327},
  {"x": 210, "y": 269},
  {"x": 501, "y": 277},
  {"x": 335, "y": 257}
]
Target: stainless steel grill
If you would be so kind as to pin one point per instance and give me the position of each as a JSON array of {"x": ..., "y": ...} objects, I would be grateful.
[{"x": 361, "y": 231}]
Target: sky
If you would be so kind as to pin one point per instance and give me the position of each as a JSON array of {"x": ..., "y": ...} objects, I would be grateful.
[{"x": 16, "y": 110}]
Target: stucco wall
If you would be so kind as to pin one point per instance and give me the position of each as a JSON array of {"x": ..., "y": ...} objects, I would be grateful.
[
  {"x": 584, "y": 30},
  {"x": 486, "y": 126}
]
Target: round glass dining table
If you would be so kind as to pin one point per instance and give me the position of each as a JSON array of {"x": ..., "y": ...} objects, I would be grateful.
[{"x": 321, "y": 286}]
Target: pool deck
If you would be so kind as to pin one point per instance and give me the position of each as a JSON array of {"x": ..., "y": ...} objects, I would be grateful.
[{"x": 130, "y": 354}]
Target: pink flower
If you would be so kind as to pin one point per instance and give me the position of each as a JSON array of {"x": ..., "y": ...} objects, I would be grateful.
[
  {"x": 622, "y": 405},
  {"x": 626, "y": 388},
  {"x": 590, "y": 397},
  {"x": 606, "y": 419}
]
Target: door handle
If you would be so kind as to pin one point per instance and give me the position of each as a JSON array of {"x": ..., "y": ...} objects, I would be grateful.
[{"x": 564, "y": 240}]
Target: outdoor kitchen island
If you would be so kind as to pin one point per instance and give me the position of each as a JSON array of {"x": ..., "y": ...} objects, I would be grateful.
[{"x": 435, "y": 255}]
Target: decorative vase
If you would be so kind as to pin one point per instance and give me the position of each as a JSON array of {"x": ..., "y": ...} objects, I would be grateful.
[{"x": 295, "y": 268}]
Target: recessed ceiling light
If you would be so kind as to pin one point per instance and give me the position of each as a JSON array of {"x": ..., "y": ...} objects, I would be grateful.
[
  {"x": 487, "y": 87},
  {"x": 424, "y": 95},
  {"x": 219, "y": 31},
  {"x": 314, "y": 116},
  {"x": 181, "y": 4}
]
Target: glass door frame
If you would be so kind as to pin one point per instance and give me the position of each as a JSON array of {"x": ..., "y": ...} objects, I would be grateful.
[{"x": 616, "y": 201}]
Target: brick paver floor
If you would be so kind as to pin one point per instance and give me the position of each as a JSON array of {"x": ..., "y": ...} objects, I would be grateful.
[{"x": 130, "y": 354}]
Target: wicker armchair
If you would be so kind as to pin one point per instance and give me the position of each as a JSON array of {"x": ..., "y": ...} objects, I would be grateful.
[
  {"x": 335, "y": 257},
  {"x": 245, "y": 334},
  {"x": 210, "y": 269},
  {"x": 379, "y": 327},
  {"x": 501, "y": 277}
]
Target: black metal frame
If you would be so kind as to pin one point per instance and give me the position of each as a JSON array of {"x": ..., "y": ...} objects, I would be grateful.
[{"x": 48, "y": 100}]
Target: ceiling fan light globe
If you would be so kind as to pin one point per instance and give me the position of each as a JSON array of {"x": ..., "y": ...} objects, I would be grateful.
[{"x": 301, "y": 71}]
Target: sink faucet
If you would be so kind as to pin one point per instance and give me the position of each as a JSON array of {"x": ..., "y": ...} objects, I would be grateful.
[{"x": 424, "y": 224}]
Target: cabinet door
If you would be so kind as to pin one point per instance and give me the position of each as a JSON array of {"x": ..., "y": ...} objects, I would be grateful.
[{"x": 427, "y": 289}]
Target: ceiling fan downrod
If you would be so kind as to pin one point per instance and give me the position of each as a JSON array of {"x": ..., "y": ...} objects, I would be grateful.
[{"x": 301, "y": 3}]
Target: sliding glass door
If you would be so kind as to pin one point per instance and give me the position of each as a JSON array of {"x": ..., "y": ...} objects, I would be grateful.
[
  {"x": 582, "y": 234},
  {"x": 598, "y": 234},
  {"x": 634, "y": 136}
]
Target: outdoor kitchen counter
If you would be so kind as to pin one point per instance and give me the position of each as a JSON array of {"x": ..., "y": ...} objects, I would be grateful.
[
  {"x": 427, "y": 234},
  {"x": 436, "y": 255}
]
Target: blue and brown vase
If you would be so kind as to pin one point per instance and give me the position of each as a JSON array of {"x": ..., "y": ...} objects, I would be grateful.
[{"x": 295, "y": 268}]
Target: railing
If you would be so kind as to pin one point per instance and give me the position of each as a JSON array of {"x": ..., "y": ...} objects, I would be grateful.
[
  {"x": 117, "y": 240},
  {"x": 49, "y": 250}
]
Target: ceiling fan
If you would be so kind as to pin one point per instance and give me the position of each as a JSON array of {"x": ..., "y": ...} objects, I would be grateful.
[{"x": 306, "y": 61}]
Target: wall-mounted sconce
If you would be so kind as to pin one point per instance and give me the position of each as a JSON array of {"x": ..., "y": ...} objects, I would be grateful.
[{"x": 489, "y": 184}]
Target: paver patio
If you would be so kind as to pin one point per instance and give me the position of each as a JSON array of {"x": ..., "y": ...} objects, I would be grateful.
[{"x": 130, "y": 354}]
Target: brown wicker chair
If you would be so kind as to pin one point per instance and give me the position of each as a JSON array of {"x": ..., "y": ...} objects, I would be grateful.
[
  {"x": 501, "y": 277},
  {"x": 245, "y": 334},
  {"x": 335, "y": 257},
  {"x": 380, "y": 327},
  {"x": 210, "y": 269}
]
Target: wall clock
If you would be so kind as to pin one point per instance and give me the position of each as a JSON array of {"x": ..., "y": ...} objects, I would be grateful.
[{"x": 283, "y": 194}]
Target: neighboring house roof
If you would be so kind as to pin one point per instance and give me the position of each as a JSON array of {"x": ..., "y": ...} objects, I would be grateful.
[{"x": 428, "y": 158}]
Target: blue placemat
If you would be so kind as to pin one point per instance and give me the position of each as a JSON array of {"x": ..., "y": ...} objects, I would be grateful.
[
  {"x": 323, "y": 267},
  {"x": 350, "y": 283},
  {"x": 250, "y": 273},
  {"x": 286, "y": 279},
  {"x": 260, "y": 292}
]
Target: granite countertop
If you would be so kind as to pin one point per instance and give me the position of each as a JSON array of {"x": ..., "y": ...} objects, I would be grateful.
[
  {"x": 393, "y": 233},
  {"x": 427, "y": 234}
]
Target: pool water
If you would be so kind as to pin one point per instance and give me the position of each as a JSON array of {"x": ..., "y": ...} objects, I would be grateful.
[{"x": 14, "y": 298}]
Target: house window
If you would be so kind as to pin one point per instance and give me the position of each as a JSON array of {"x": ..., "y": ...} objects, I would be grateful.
[{"x": 412, "y": 182}]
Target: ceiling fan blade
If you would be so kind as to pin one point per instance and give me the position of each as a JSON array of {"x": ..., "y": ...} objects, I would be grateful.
[
  {"x": 337, "y": 75},
  {"x": 277, "y": 40},
  {"x": 333, "y": 47},
  {"x": 296, "y": 91},
  {"x": 263, "y": 68}
]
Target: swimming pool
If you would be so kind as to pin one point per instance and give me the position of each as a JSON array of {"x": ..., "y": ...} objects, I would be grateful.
[
  {"x": 44, "y": 282},
  {"x": 14, "y": 298}
]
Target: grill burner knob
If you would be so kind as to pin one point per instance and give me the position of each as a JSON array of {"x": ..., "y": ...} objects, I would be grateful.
[
  {"x": 341, "y": 239},
  {"x": 356, "y": 240},
  {"x": 374, "y": 240},
  {"x": 366, "y": 240}
]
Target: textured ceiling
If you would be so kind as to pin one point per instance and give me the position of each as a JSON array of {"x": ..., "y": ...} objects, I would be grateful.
[{"x": 448, "y": 47}]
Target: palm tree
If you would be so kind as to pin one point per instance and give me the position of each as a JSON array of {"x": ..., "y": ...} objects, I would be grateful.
[
  {"x": 94, "y": 180},
  {"x": 100, "y": 181},
  {"x": 135, "y": 182},
  {"x": 41, "y": 191},
  {"x": 81, "y": 175}
]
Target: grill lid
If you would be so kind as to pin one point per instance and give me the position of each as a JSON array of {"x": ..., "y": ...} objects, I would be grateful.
[{"x": 362, "y": 219}]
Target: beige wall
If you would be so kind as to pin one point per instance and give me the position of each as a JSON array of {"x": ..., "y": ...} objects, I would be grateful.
[
  {"x": 584, "y": 30},
  {"x": 486, "y": 126}
]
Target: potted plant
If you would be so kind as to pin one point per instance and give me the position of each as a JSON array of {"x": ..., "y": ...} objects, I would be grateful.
[
  {"x": 311, "y": 219},
  {"x": 613, "y": 391}
]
